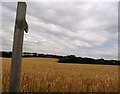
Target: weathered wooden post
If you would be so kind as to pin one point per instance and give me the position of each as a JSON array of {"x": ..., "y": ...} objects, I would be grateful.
[{"x": 20, "y": 26}]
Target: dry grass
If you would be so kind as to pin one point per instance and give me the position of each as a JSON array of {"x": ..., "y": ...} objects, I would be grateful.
[{"x": 46, "y": 75}]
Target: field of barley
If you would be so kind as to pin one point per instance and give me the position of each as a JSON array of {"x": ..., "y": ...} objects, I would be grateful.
[{"x": 46, "y": 75}]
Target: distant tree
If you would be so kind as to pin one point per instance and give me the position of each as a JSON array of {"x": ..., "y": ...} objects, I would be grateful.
[
  {"x": 6, "y": 54},
  {"x": 73, "y": 59},
  {"x": 35, "y": 55}
]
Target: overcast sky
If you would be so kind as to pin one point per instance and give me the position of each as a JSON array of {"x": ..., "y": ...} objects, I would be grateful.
[{"x": 64, "y": 28}]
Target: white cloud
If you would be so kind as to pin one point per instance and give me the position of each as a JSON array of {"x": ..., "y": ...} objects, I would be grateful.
[{"x": 63, "y": 28}]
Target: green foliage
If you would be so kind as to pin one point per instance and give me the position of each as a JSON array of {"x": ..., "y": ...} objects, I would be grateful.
[
  {"x": 28, "y": 54},
  {"x": 80, "y": 60},
  {"x": 6, "y": 54}
]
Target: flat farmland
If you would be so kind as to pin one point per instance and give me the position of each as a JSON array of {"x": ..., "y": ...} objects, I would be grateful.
[{"x": 46, "y": 75}]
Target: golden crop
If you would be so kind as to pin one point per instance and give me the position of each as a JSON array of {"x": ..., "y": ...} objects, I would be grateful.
[{"x": 46, "y": 75}]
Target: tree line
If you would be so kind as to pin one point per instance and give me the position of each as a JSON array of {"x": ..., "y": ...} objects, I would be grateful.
[
  {"x": 65, "y": 59},
  {"x": 80, "y": 60},
  {"x": 28, "y": 54}
]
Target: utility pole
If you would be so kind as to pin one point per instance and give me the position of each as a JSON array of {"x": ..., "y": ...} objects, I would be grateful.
[{"x": 20, "y": 26}]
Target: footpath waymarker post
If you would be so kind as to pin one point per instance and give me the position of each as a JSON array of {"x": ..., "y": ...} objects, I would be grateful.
[{"x": 20, "y": 26}]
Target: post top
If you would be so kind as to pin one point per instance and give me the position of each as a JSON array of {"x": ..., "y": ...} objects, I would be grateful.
[{"x": 22, "y": 3}]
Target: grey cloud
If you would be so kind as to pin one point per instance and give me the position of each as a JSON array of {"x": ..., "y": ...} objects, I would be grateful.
[
  {"x": 62, "y": 14},
  {"x": 10, "y": 5},
  {"x": 66, "y": 28}
]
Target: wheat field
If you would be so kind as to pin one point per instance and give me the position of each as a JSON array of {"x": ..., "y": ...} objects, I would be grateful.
[{"x": 46, "y": 75}]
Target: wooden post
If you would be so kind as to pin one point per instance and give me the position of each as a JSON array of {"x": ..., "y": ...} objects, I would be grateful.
[
  {"x": 119, "y": 45},
  {"x": 20, "y": 26}
]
